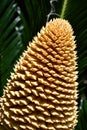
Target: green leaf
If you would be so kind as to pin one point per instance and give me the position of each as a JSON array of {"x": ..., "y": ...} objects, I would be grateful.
[
  {"x": 10, "y": 39},
  {"x": 82, "y": 118}
]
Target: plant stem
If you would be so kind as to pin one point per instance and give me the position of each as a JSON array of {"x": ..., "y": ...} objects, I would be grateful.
[{"x": 63, "y": 9}]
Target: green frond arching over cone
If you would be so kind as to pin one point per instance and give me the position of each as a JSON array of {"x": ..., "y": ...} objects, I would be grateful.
[{"x": 42, "y": 91}]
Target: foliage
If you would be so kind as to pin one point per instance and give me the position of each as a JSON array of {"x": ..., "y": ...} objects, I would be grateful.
[{"x": 21, "y": 20}]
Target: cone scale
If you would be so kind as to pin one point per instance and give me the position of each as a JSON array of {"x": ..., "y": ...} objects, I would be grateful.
[{"x": 41, "y": 93}]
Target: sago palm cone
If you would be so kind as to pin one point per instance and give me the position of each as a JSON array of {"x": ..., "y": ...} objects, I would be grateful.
[{"x": 42, "y": 91}]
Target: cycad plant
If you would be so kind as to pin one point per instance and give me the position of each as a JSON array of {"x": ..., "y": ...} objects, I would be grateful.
[{"x": 19, "y": 23}]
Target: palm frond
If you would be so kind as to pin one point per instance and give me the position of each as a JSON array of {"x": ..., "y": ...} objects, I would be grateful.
[
  {"x": 82, "y": 119},
  {"x": 10, "y": 39},
  {"x": 33, "y": 17}
]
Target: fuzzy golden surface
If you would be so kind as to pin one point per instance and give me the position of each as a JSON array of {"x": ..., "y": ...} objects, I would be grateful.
[{"x": 42, "y": 91}]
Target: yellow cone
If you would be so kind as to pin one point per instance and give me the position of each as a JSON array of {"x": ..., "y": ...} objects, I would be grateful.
[{"x": 42, "y": 91}]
